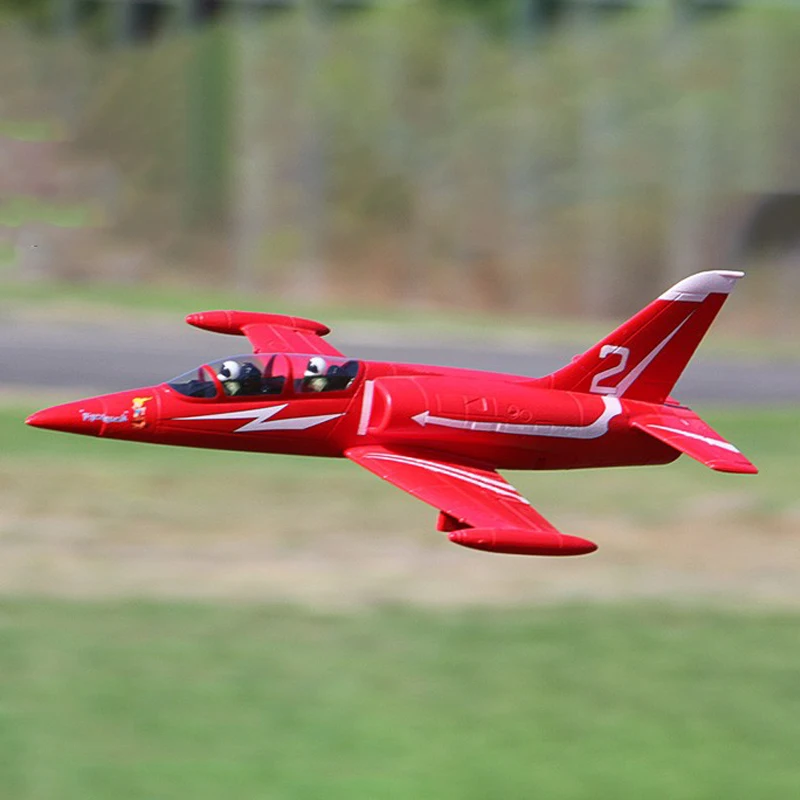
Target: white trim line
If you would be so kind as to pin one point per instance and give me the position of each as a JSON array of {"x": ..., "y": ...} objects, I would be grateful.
[
  {"x": 399, "y": 457},
  {"x": 366, "y": 407},
  {"x": 628, "y": 380},
  {"x": 707, "y": 439},
  {"x": 504, "y": 490}
]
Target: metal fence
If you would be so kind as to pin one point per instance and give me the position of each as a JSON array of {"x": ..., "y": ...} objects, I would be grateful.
[{"x": 398, "y": 151}]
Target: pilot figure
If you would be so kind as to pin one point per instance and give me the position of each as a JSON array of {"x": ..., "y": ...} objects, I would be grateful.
[
  {"x": 314, "y": 378},
  {"x": 239, "y": 378}
]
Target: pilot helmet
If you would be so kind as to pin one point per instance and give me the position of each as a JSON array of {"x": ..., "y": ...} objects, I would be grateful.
[
  {"x": 229, "y": 371},
  {"x": 315, "y": 367}
]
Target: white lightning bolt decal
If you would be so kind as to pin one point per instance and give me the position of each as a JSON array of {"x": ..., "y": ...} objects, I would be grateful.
[{"x": 261, "y": 419}]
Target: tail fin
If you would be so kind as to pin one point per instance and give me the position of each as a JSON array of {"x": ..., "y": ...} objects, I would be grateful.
[{"x": 645, "y": 356}]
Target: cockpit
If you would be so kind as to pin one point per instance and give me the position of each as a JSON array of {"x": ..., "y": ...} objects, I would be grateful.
[{"x": 278, "y": 374}]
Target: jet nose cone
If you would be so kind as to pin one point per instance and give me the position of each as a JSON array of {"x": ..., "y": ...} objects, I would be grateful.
[
  {"x": 39, "y": 419},
  {"x": 86, "y": 418}
]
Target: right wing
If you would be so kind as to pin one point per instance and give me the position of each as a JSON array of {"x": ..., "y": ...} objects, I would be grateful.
[
  {"x": 268, "y": 333},
  {"x": 478, "y": 507}
]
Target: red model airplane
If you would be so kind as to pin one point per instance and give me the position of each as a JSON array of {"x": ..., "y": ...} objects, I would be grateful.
[{"x": 439, "y": 433}]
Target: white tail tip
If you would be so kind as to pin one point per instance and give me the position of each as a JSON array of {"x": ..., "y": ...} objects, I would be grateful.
[{"x": 696, "y": 288}]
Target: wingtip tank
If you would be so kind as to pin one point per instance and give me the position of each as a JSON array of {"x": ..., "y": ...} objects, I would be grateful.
[{"x": 521, "y": 542}]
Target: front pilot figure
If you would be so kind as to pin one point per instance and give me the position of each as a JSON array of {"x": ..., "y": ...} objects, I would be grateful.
[
  {"x": 239, "y": 378},
  {"x": 314, "y": 379}
]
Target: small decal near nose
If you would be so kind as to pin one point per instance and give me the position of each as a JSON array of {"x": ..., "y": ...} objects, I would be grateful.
[
  {"x": 139, "y": 411},
  {"x": 106, "y": 419}
]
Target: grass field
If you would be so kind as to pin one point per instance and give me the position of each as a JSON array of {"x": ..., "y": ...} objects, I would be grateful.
[
  {"x": 163, "y": 701},
  {"x": 380, "y": 661},
  {"x": 771, "y": 437},
  {"x": 87, "y": 517}
]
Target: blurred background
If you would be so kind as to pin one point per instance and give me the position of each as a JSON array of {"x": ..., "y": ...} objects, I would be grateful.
[
  {"x": 486, "y": 183},
  {"x": 537, "y": 155}
]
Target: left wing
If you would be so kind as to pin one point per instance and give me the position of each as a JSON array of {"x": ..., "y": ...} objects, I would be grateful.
[
  {"x": 268, "y": 333},
  {"x": 478, "y": 507}
]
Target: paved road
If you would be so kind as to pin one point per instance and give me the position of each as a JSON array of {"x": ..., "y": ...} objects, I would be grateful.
[{"x": 106, "y": 358}]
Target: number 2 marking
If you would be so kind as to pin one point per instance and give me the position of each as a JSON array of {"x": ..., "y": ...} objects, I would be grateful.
[{"x": 605, "y": 351}]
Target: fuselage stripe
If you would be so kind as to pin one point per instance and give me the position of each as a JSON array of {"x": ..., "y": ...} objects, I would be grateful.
[{"x": 366, "y": 407}]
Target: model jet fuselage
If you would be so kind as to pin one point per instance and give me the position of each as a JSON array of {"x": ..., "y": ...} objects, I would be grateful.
[
  {"x": 437, "y": 432},
  {"x": 509, "y": 421}
]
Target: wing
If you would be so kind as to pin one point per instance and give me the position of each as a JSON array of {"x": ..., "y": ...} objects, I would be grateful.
[
  {"x": 268, "y": 333},
  {"x": 478, "y": 507}
]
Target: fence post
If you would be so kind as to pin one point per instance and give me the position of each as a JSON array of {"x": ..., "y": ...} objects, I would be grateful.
[
  {"x": 206, "y": 197},
  {"x": 601, "y": 266},
  {"x": 522, "y": 189},
  {"x": 689, "y": 176},
  {"x": 310, "y": 279},
  {"x": 123, "y": 21},
  {"x": 252, "y": 167}
]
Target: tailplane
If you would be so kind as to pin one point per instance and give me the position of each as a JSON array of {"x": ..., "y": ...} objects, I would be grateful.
[
  {"x": 683, "y": 430},
  {"x": 645, "y": 356}
]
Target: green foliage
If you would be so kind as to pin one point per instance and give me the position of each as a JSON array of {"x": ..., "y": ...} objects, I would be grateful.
[
  {"x": 18, "y": 211},
  {"x": 28, "y": 8},
  {"x": 410, "y": 134},
  {"x": 498, "y": 15},
  {"x": 36, "y": 130},
  {"x": 135, "y": 701}
]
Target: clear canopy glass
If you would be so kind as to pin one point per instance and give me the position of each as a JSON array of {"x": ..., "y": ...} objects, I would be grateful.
[{"x": 276, "y": 374}]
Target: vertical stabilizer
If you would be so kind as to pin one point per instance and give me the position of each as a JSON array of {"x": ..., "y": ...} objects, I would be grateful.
[{"x": 645, "y": 356}]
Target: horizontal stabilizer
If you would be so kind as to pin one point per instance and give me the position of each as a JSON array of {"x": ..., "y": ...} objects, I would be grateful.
[{"x": 686, "y": 432}]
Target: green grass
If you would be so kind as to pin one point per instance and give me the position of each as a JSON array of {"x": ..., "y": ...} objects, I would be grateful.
[
  {"x": 123, "y": 481},
  {"x": 768, "y": 437},
  {"x": 18, "y": 211},
  {"x": 30, "y": 130},
  {"x": 8, "y": 256},
  {"x": 130, "y": 701},
  {"x": 135, "y": 700}
]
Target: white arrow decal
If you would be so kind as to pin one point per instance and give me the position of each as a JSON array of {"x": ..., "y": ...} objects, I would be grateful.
[
  {"x": 593, "y": 430},
  {"x": 261, "y": 419}
]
